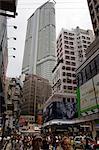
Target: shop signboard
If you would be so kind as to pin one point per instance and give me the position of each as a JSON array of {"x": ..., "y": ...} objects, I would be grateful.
[
  {"x": 96, "y": 86},
  {"x": 87, "y": 97}
]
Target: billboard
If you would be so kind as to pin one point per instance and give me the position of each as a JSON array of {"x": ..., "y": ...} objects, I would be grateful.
[
  {"x": 87, "y": 96},
  {"x": 60, "y": 110},
  {"x": 96, "y": 86}
]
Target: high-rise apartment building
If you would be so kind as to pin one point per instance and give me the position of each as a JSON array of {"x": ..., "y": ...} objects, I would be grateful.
[
  {"x": 94, "y": 13},
  {"x": 36, "y": 90},
  {"x": 71, "y": 48},
  {"x": 3, "y": 61},
  {"x": 83, "y": 39},
  {"x": 13, "y": 97},
  {"x": 39, "y": 53},
  {"x": 64, "y": 71}
]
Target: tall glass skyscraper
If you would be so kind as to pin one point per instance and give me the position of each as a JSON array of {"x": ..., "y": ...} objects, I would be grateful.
[{"x": 39, "y": 52}]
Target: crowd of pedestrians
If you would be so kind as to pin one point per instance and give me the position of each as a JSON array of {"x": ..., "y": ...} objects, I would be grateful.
[{"x": 37, "y": 142}]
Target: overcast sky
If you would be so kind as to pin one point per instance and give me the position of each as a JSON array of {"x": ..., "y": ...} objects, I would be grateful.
[{"x": 69, "y": 14}]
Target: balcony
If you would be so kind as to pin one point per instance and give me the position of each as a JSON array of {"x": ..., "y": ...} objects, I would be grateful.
[{"x": 9, "y": 6}]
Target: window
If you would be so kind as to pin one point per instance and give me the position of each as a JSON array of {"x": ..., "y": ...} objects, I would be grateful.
[
  {"x": 63, "y": 73},
  {"x": 97, "y": 63},
  {"x": 72, "y": 58},
  {"x": 60, "y": 39},
  {"x": 71, "y": 43},
  {"x": 80, "y": 46},
  {"x": 69, "y": 81},
  {"x": 93, "y": 68},
  {"x": 69, "y": 87},
  {"x": 67, "y": 47},
  {"x": 60, "y": 35},
  {"x": 73, "y": 69},
  {"x": 88, "y": 38},
  {"x": 95, "y": 24},
  {"x": 84, "y": 75},
  {"x": 64, "y": 86},
  {"x": 61, "y": 49},
  {"x": 64, "y": 99},
  {"x": 97, "y": 8},
  {"x": 80, "y": 78},
  {"x": 88, "y": 72},
  {"x": 67, "y": 63},
  {"x": 71, "y": 47},
  {"x": 65, "y": 32},
  {"x": 60, "y": 44},
  {"x": 95, "y": 2},
  {"x": 71, "y": 38},
  {"x": 88, "y": 42},
  {"x": 66, "y": 57},
  {"x": 66, "y": 52},
  {"x": 75, "y": 88},
  {"x": 84, "y": 41},
  {"x": 73, "y": 99},
  {"x": 85, "y": 46},
  {"x": 64, "y": 80},
  {"x": 68, "y": 68},
  {"x": 73, "y": 63},
  {"x": 72, "y": 53},
  {"x": 66, "y": 42},
  {"x": 71, "y": 34},
  {"x": 68, "y": 99},
  {"x": 65, "y": 37},
  {"x": 63, "y": 67},
  {"x": 73, "y": 75},
  {"x": 83, "y": 37},
  {"x": 74, "y": 81},
  {"x": 69, "y": 74},
  {"x": 61, "y": 54}
]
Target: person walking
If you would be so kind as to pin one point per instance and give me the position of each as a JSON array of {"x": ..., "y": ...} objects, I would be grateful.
[
  {"x": 37, "y": 144},
  {"x": 66, "y": 144},
  {"x": 45, "y": 144}
]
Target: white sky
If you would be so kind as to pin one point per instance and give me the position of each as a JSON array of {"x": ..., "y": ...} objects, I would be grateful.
[{"x": 69, "y": 14}]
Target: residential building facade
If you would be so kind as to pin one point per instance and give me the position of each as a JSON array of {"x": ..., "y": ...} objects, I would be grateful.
[
  {"x": 3, "y": 61},
  {"x": 14, "y": 97},
  {"x": 88, "y": 87},
  {"x": 71, "y": 52},
  {"x": 36, "y": 91},
  {"x": 39, "y": 52},
  {"x": 94, "y": 13},
  {"x": 83, "y": 39}
]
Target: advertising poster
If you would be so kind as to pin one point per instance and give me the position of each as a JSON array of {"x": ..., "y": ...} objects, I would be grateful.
[
  {"x": 87, "y": 96},
  {"x": 60, "y": 110},
  {"x": 96, "y": 85}
]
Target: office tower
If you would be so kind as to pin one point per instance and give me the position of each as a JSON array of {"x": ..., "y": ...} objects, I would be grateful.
[
  {"x": 94, "y": 13},
  {"x": 36, "y": 90},
  {"x": 39, "y": 52}
]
